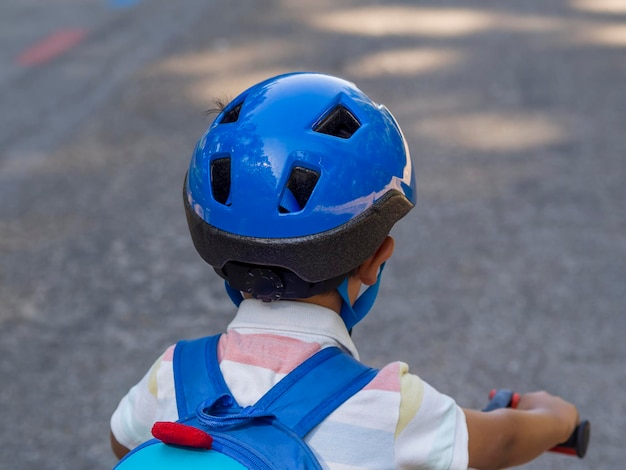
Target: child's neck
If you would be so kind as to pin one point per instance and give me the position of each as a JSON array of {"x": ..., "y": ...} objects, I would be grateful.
[{"x": 330, "y": 300}]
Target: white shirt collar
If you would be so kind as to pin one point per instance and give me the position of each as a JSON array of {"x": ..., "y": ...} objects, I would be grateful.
[{"x": 295, "y": 319}]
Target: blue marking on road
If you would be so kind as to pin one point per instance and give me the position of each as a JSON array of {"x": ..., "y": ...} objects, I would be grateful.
[{"x": 122, "y": 3}]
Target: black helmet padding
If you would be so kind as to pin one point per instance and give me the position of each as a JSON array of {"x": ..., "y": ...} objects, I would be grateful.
[{"x": 313, "y": 258}]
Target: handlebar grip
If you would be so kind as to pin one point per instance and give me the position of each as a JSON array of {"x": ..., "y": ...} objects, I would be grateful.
[{"x": 576, "y": 444}]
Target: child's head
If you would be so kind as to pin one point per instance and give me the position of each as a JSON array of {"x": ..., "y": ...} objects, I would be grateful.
[{"x": 297, "y": 182}]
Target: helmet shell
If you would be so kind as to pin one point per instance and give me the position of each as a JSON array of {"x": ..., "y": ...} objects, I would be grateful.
[{"x": 295, "y": 171}]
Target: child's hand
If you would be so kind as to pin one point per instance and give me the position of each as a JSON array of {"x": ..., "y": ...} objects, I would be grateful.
[
  {"x": 562, "y": 411},
  {"x": 518, "y": 431}
]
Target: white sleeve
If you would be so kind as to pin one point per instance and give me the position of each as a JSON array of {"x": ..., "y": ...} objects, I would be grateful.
[
  {"x": 434, "y": 432},
  {"x": 150, "y": 400}
]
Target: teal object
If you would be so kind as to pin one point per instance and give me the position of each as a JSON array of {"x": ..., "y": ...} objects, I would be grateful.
[{"x": 159, "y": 456}]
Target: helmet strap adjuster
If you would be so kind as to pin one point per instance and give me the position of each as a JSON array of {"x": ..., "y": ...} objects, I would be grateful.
[
  {"x": 270, "y": 283},
  {"x": 264, "y": 284}
]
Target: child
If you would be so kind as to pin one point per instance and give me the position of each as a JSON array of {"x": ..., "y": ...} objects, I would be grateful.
[{"x": 290, "y": 197}]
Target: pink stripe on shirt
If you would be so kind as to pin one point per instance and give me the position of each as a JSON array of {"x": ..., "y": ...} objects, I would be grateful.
[
  {"x": 388, "y": 379},
  {"x": 279, "y": 354},
  {"x": 168, "y": 355}
]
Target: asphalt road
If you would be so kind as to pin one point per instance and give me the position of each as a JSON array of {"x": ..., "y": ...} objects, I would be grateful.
[{"x": 511, "y": 272}]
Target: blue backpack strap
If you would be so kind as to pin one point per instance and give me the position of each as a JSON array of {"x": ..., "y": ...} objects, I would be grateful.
[
  {"x": 316, "y": 388},
  {"x": 196, "y": 374},
  {"x": 301, "y": 400}
]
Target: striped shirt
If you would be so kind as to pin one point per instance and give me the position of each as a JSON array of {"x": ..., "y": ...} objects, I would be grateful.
[{"x": 396, "y": 421}]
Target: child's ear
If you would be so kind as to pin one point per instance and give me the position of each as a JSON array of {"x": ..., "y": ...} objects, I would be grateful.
[{"x": 368, "y": 271}]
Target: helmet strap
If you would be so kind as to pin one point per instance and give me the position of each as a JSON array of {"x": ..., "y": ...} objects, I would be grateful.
[{"x": 352, "y": 314}]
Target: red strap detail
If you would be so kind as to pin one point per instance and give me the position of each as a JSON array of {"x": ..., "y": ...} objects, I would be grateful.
[
  {"x": 181, "y": 435},
  {"x": 565, "y": 450},
  {"x": 515, "y": 400}
]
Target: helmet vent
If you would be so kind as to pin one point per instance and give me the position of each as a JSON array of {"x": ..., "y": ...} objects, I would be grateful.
[
  {"x": 231, "y": 114},
  {"x": 339, "y": 122},
  {"x": 301, "y": 183},
  {"x": 220, "y": 180}
]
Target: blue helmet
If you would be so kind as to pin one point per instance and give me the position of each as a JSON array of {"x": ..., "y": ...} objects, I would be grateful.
[{"x": 296, "y": 182}]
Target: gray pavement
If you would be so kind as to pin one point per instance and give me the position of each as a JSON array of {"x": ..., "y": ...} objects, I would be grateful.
[{"x": 511, "y": 272}]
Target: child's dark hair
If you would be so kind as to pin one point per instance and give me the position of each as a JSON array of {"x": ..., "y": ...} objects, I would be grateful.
[{"x": 219, "y": 106}]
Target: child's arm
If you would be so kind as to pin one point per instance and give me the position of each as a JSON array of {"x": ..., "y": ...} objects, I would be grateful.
[
  {"x": 507, "y": 437},
  {"x": 118, "y": 449}
]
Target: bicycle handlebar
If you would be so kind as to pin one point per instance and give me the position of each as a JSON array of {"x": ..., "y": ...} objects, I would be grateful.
[{"x": 575, "y": 445}]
